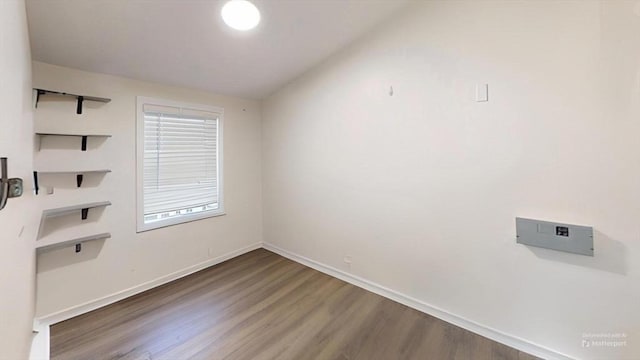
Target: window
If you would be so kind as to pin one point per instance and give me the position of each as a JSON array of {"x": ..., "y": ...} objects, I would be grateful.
[{"x": 179, "y": 152}]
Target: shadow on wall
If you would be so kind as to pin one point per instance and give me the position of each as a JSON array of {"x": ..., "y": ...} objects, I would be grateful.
[
  {"x": 60, "y": 223},
  {"x": 67, "y": 256},
  {"x": 609, "y": 255},
  {"x": 67, "y": 142},
  {"x": 69, "y": 181}
]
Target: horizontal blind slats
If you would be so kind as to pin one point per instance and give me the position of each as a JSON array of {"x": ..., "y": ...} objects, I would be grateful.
[{"x": 180, "y": 160}]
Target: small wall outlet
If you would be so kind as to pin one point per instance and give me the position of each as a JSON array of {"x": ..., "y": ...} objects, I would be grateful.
[{"x": 482, "y": 92}]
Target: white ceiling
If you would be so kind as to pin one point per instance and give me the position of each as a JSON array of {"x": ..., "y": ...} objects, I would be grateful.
[{"x": 185, "y": 42}]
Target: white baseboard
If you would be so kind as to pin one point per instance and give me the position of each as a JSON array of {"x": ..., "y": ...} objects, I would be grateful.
[
  {"x": 110, "y": 299},
  {"x": 490, "y": 333}
]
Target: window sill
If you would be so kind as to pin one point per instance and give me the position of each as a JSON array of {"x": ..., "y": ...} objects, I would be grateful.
[{"x": 178, "y": 221}]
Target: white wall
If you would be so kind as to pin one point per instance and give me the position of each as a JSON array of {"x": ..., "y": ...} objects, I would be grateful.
[
  {"x": 18, "y": 218},
  {"x": 421, "y": 188},
  {"x": 130, "y": 260}
]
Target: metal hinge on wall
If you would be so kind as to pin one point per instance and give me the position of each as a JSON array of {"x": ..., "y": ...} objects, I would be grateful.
[{"x": 9, "y": 188}]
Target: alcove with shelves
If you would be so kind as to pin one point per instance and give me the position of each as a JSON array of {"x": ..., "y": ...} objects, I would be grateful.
[{"x": 68, "y": 173}]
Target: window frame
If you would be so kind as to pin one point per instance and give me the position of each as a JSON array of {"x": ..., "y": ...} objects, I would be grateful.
[{"x": 140, "y": 224}]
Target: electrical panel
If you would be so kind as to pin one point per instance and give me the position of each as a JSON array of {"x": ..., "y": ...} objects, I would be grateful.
[{"x": 575, "y": 239}]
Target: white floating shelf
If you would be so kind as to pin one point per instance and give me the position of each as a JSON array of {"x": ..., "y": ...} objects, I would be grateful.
[
  {"x": 50, "y": 246},
  {"x": 70, "y": 134},
  {"x": 79, "y": 172},
  {"x": 79, "y": 98},
  {"x": 82, "y": 208},
  {"x": 51, "y": 213}
]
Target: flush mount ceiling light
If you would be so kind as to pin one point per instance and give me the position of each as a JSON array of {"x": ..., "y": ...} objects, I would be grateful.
[{"x": 240, "y": 14}]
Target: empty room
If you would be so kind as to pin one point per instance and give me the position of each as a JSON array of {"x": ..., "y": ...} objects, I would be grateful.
[{"x": 319, "y": 179}]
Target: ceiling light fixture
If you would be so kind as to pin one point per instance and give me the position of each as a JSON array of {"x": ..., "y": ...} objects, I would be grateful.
[{"x": 240, "y": 14}]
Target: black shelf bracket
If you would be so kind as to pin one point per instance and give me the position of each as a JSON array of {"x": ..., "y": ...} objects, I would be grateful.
[
  {"x": 85, "y": 214},
  {"x": 38, "y": 93},
  {"x": 79, "y": 179},
  {"x": 79, "y": 106},
  {"x": 84, "y": 143},
  {"x": 36, "y": 187}
]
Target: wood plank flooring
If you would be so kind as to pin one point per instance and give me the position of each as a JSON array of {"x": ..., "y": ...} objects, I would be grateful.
[{"x": 263, "y": 306}]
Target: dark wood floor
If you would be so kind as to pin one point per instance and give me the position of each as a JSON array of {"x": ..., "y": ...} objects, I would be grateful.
[{"x": 263, "y": 306}]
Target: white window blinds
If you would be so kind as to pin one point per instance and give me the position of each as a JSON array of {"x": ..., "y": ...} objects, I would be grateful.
[{"x": 180, "y": 162}]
